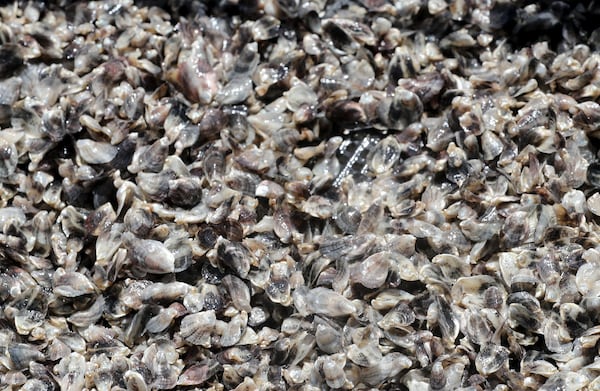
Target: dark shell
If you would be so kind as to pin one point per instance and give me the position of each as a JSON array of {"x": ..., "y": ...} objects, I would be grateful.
[
  {"x": 346, "y": 114},
  {"x": 593, "y": 175},
  {"x": 139, "y": 221},
  {"x": 236, "y": 256},
  {"x": 10, "y": 60},
  {"x": 185, "y": 192}
]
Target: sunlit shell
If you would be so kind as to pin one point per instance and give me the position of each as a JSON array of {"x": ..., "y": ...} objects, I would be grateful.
[
  {"x": 491, "y": 358},
  {"x": 299, "y": 195}
]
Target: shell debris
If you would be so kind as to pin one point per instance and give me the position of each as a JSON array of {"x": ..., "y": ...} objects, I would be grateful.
[{"x": 302, "y": 195}]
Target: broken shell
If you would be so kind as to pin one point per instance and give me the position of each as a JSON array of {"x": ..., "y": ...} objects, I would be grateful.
[{"x": 288, "y": 194}]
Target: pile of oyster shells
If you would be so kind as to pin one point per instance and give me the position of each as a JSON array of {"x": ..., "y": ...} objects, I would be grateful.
[{"x": 299, "y": 194}]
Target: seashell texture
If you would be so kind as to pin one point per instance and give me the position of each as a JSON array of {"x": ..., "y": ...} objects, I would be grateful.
[{"x": 299, "y": 194}]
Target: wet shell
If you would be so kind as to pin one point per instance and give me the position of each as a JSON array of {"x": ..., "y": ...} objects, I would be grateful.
[
  {"x": 239, "y": 292},
  {"x": 385, "y": 154},
  {"x": 95, "y": 152},
  {"x": 9, "y": 158},
  {"x": 347, "y": 218},
  {"x": 302, "y": 195},
  {"x": 197, "y": 328},
  {"x": 491, "y": 358},
  {"x": 149, "y": 255},
  {"x": 322, "y": 301},
  {"x": 236, "y": 256},
  {"x": 373, "y": 271}
]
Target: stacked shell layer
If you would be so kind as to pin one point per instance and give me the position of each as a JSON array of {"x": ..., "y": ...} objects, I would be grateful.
[{"x": 299, "y": 195}]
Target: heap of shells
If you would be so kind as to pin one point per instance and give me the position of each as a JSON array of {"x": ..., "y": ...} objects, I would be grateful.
[{"x": 299, "y": 194}]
